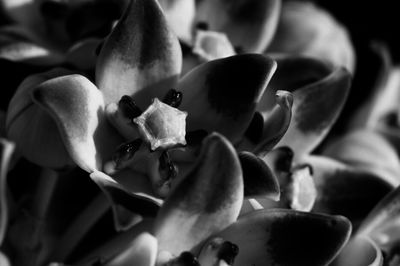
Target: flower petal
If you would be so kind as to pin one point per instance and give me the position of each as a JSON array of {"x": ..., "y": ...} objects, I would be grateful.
[
  {"x": 221, "y": 95},
  {"x": 258, "y": 178},
  {"x": 368, "y": 151},
  {"x": 141, "y": 252},
  {"x": 359, "y": 251},
  {"x": 249, "y": 25},
  {"x": 307, "y": 29},
  {"x": 180, "y": 16},
  {"x": 43, "y": 145},
  {"x": 286, "y": 237},
  {"x": 207, "y": 200},
  {"x": 77, "y": 107},
  {"x": 82, "y": 55},
  {"x": 6, "y": 150},
  {"x": 344, "y": 190},
  {"x": 140, "y": 53},
  {"x": 319, "y": 93},
  {"x": 130, "y": 195}
]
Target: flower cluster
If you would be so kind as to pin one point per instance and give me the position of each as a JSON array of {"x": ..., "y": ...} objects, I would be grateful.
[{"x": 187, "y": 132}]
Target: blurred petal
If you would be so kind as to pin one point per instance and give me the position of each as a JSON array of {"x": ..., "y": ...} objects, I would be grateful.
[
  {"x": 43, "y": 145},
  {"x": 249, "y": 25},
  {"x": 368, "y": 151},
  {"x": 83, "y": 54},
  {"x": 258, "y": 178},
  {"x": 286, "y": 237},
  {"x": 319, "y": 93},
  {"x": 180, "y": 16},
  {"x": 344, "y": 190},
  {"x": 386, "y": 211},
  {"x": 4, "y": 260},
  {"x": 304, "y": 28},
  {"x": 222, "y": 95},
  {"x": 78, "y": 109},
  {"x": 141, "y": 57},
  {"x": 211, "y": 45},
  {"x": 207, "y": 200},
  {"x": 131, "y": 197},
  {"x": 141, "y": 252},
  {"x": 24, "y": 12},
  {"x": 6, "y": 150},
  {"x": 359, "y": 251}
]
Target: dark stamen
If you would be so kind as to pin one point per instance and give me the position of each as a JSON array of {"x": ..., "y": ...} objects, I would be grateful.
[
  {"x": 228, "y": 252},
  {"x": 167, "y": 167},
  {"x": 202, "y": 25},
  {"x": 186, "y": 259},
  {"x": 128, "y": 107},
  {"x": 126, "y": 151},
  {"x": 195, "y": 137},
  {"x": 173, "y": 98}
]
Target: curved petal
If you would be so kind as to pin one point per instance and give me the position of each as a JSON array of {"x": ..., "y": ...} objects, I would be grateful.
[
  {"x": 6, "y": 150},
  {"x": 77, "y": 107},
  {"x": 344, "y": 190},
  {"x": 368, "y": 151},
  {"x": 319, "y": 93},
  {"x": 180, "y": 16},
  {"x": 286, "y": 237},
  {"x": 359, "y": 251},
  {"x": 141, "y": 57},
  {"x": 131, "y": 197},
  {"x": 307, "y": 29},
  {"x": 221, "y": 95},
  {"x": 207, "y": 200},
  {"x": 4, "y": 260},
  {"x": 258, "y": 178},
  {"x": 83, "y": 54},
  {"x": 141, "y": 252},
  {"x": 43, "y": 145},
  {"x": 249, "y": 25}
]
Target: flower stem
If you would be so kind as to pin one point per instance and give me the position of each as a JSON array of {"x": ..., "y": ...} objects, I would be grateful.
[{"x": 79, "y": 227}]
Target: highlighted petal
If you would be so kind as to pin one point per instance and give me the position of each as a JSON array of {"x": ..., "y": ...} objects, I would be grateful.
[
  {"x": 77, "y": 107},
  {"x": 141, "y": 57},
  {"x": 6, "y": 150},
  {"x": 285, "y": 237},
  {"x": 141, "y": 252},
  {"x": 258, "y": 178},
  {"x": 359, "y": 251},
  {"x": 131, "y": 197},
  {"x": 249, "y": 25},
  {"x": 222, "y": 95},
  {"x": 207, "y": 200},
  {"x": 319, "y": 93},
  {"x": 43, "y": 144}
]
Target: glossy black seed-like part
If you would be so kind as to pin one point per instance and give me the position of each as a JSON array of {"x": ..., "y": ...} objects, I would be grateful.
[
  {"x": 128, "y": 107},
  {"x": 255, "y": 130},
  {"x": 186, "y": 259},
  {"x": 126, "y": 151},
  {"x": 195, "y": 137},
  {"x": 228, "y": 252},
  {"x": 173, "y": 98},
  {"x": 167, "y": 166}
]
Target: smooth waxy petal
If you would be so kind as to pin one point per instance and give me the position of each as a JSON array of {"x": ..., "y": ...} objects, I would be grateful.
[
  {"x": 319, "y": 93},
  {"x": 141, "y": 57},
  {"x": 249, "y": 25},
  {"x": 180, "y": 16},
  {"x": 6, "y": 150},
  {"x": 344, "y": 190},
  {"x": 304, "y": 28},
  {"x": 259, "y": 180},
  {"x": 43, "y": 144},
  {"x": 77, "y": 107},
  {"x": 141, "y": 252},
  {"x": 131, "y": 196},
  {"x": 207, "y": 200},
  {"x": 222, "y": 95},
  {"x": 286, "y": 237},
  {"x": 359, "y": 251},
  {"x": 368, "y": 151}
]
